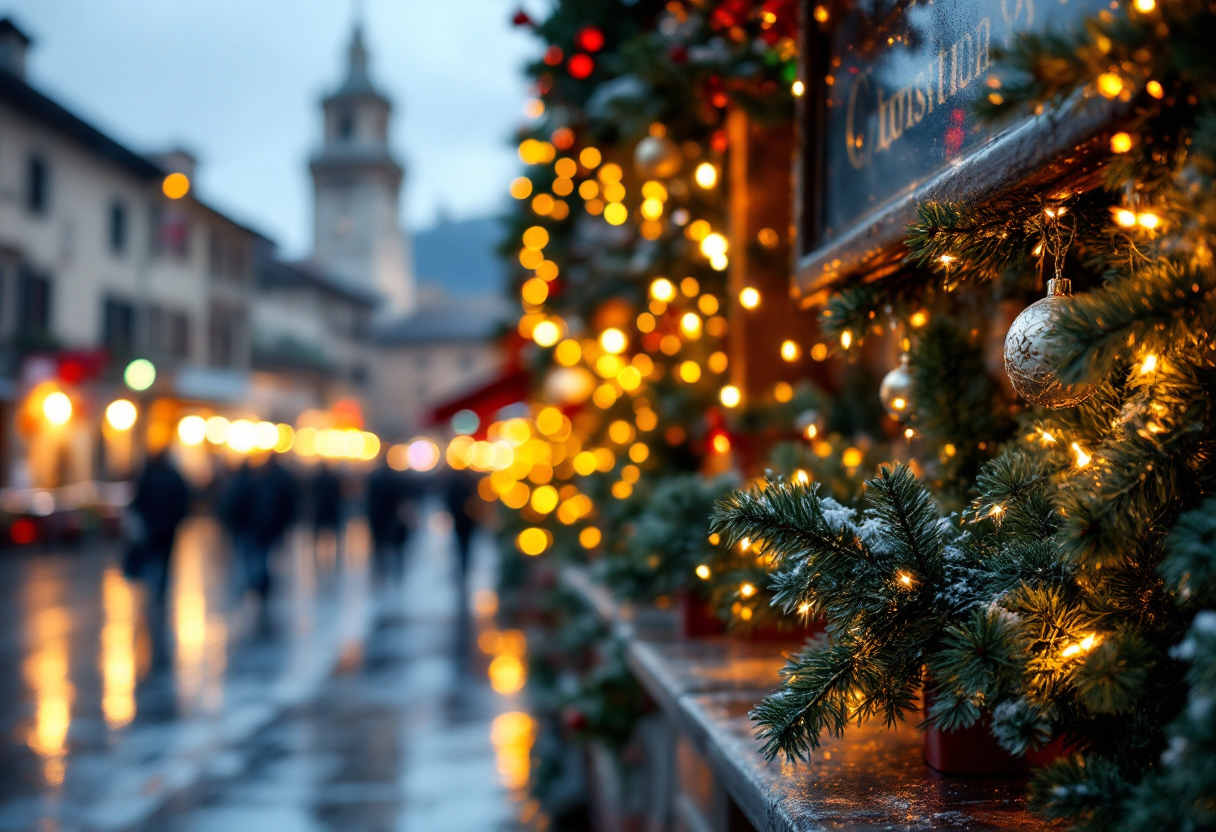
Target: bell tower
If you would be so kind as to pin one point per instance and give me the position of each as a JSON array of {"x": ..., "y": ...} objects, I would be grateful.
[{"x": 357, "y": 231}]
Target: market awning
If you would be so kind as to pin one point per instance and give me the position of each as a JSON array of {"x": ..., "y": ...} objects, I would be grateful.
[{"x": 508, "y": 388}]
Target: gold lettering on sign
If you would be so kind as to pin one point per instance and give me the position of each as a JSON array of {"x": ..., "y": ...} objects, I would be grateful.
[
  {"x": 859, "y": 156},
  {"x": 895, "y": 113}
]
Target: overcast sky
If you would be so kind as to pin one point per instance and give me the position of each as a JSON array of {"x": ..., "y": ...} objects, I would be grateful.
[{"x": 238, "y": 82}]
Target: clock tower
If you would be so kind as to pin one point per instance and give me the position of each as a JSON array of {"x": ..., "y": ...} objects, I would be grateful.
[{"x": 357, "y": 232}]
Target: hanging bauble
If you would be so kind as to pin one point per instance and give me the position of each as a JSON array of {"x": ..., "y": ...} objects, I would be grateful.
[
  {"x": 657, "y": 157},
  {"x": 1033, "y": 357},
  {"x": 895, "y": 391}
]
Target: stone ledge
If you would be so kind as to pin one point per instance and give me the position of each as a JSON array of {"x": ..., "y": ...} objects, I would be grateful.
[{"x": 873, "y": 778}]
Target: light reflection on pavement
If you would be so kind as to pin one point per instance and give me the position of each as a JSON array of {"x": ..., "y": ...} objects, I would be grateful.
[{"x": 348, "y": 706}]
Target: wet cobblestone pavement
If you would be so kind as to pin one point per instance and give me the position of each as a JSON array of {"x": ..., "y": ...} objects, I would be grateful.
[{"x": 351, "y": 705}]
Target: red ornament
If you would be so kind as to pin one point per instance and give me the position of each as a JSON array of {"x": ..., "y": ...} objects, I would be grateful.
[
  {"x": 553, "y": 55},
  {"x": 718, "y": 141},
  {"x": 589, "y": 39},
  {"x": 580, "y": 66},
  {"x": 573, "y": 718},
  {"x": 521, "y": 19}
]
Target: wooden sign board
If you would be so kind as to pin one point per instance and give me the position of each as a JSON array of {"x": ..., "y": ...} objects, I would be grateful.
[{"x": 886, "y": 121}]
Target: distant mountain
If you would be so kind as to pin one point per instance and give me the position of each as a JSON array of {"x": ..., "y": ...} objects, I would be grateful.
[{"x": 459, "y": 258}]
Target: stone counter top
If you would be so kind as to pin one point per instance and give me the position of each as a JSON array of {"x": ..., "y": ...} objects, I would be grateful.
[{"x": 872, "y": 778}]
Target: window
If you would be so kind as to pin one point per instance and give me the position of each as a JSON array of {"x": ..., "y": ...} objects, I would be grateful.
[
  {"x": 172, "y": 233},
  {"x": 346, "y": 127},
  {"x": 37, "y": 185},
  {"x": 118, "y": 326},
  {"x": 225, "y": 336},
  {"x": 33, "y": 302},
  {"x": 118, "y": 227},
  {"x": 178, "y": 336}
]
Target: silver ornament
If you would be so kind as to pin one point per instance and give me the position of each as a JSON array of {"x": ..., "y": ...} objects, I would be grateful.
[
  {"x": 895, "y": 392},
  {"x": 657, "y": 157},
  {"x": 1033, "y": 358}
]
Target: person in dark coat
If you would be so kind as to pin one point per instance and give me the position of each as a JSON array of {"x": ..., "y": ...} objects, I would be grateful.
[
  {"x": 161, "y": 502},
  {"x": 385, "y": 497},
  {"x": 459, "y": 497},
  {"x": 261, "y": 505},
  {"x": 327, "y": 505}
]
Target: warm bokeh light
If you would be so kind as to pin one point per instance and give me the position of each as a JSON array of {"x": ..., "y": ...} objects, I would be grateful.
[
  {"x": 749, "y": 298},
  {"x": 521, "y": 187},
  {"x": 532, "y": 541},
  {"x": 706, "y": 175},
  {"x": 589, "y": 157},
  {"x": 613, "y": 341},
  {"x": 546, "y": 333},
  {"x": 57, "y": 408},
  {"x": 217, "y": 430},
  {"x": 790, "y": 350},
  {"x": 121, "y": 414},
  {"x": 175, "y": 185},
  {"x": 690, "y": 372},
  {"x": 730, "y": 396},
  {"x": 192, "y": 430}
]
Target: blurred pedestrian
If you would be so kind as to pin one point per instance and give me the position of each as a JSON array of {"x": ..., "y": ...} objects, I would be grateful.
[
  {"x": 460, "y": 498},
  {"x": 385, "y": 502},
  {"x": 260, "y": 505},
  {"x": 161, "y": 502},
  {"x": 327, "y": 507}
]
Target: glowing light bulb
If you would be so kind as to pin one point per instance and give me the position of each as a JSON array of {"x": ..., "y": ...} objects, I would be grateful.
[
  {"x": 747, "y": 590},
  {"x": 1145, "y": 6},
  {"x": 904, "y": 578},
  {"x": 613, "y": 341},
  {"x": 703, "y": 572},
  {"x": 1124, "y": 218},
  {"x": 1147, "y": 219},
  {"x": 846, "y": 339},
  {"x": 789, "y": 350},
  {"x": 797, "y": 88},
  {"x": 749, "y": 298},
  {"x": 706, "y": 175},
  {"x": 176, "y": 185},
  {"x": 1109, "y": 85},
  {"x": 690, "y": 325},
  {"x": 1155, "y": 89},
  {"x": 714, "y": 245},
  {"x": 1083, "y": 458},
  {"x": 1148, "y": 365},
  {"x": 730, "y": 396},
  {"x": 1120, "y": 143}
]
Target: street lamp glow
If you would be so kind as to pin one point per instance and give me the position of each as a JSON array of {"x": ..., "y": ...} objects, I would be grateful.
[
  {"x": 192, "y": 430},
  {"x": 120, "y": 414},
  {"x": 57, "y": 408},
  {"x": 140, "y": 374}
]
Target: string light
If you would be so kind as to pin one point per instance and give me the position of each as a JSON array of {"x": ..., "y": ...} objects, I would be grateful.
[
  {"x": 613, "y": 341},
  {"x": 1155, "y": 89},
  {"x": 1083, "y": 458},
  {"x": 747, "y": 590},
  {"x": 1145, "y": 6},
  {"x": 749, "y": 298},
  {"x": 730, "y": 396},
  {"x": 1147, "y": 220},
  {"x": 703, "y": 572},
  {"x": 706, "y": 175},
  {"x": 1124, "y": 218},
  {"x": 846, "y": 339},
  {"x": 797, "y": 89},
  {"x": 1083, "y": 646},
  {"x": 904, "y": 578},
  {"x": 1120, "y": 143},
  {"x": 1109, "y": 85},
  {"x": 1148, "y": 365},
  {"x": 790, "y": 350}
]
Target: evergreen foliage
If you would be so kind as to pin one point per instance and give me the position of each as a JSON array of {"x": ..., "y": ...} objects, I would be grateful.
[{"x": 1065, "y": 603}]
